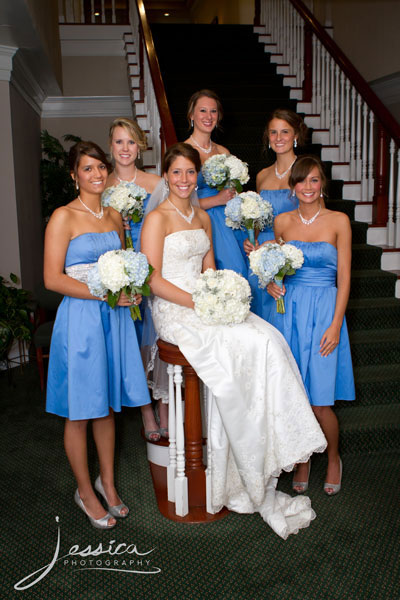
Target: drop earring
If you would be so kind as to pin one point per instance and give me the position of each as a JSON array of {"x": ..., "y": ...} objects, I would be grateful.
[
  {"x": 77, "y": 186},
  {"x": 293, "y": 194},
  {"x": 138, "y": 155},
  {"x": 321, "y": 195},
  {"x": 191, "y": 123},
  {"x": 295, "y": 143},
  {"x": 269, "y": 146}
]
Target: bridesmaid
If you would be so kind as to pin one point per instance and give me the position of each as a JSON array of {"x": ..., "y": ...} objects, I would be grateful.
[
  {"x": 127, "y": 140},
  {"x": 316, "y": 297},
  {"x": 204, "y": 115},
  {"x": 285, "y": 130},
  {"x": 90, "y": 376}
]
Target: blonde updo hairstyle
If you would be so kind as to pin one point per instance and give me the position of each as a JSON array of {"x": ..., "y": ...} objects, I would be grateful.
[
  {"x": 302, "y": 167},
  {"x": 294, "y": 120},
  {"x": 132, "y": 128},
  {"x": 196, "y": 97}
]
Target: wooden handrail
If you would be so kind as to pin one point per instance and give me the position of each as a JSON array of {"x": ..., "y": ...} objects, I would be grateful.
[
  {"x": 168, "y": 130},
  {"x": 386, "y": 119}
]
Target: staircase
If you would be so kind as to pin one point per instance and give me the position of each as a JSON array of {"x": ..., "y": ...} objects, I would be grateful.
[{"x": 231, "y": 61}]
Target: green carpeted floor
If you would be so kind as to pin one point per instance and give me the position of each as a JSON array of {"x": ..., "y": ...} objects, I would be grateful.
[{"x": 350, "y": 552}]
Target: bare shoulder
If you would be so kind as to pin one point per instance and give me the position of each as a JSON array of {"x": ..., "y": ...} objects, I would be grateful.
[
  {"x": 203, "y": 216},
  {"x": 284, "y": 218},
  {"x": 262, "y": 177},
  {"x": 113, "y": 214},
  {"x": 155, "y": 218},
  {"x": 150, "y": 181},
  {"x": 222, "y": 149},
  {"x": 62, "y": 216},
  {"x": 339, "y": 218}
]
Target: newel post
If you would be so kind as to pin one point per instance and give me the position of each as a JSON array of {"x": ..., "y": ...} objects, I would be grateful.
[
  {"x": 380, "y": 199},
  {"x": 307, "y": 83}
]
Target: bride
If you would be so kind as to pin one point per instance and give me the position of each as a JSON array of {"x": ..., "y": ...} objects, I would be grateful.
[{"x": 261, "y": 421}]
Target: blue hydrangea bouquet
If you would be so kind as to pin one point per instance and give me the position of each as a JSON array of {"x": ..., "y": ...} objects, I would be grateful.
[
  {"x": 225, "y": 170},
  {"x": 127, "y": 198},
  {"x": 119, "y": 271},
  {"x": 271, "y": 262},
  {"x": 248, "y": 210}
]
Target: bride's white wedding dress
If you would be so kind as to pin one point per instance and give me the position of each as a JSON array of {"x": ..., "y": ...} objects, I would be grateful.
[{"x": 261, "y": 421}]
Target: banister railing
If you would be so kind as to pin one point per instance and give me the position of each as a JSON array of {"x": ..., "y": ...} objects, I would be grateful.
[
  {"x": 155, "y": 98},
  {"x": 365, "y": 132}
]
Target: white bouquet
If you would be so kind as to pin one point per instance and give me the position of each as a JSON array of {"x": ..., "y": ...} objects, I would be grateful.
[
  {"x": 221, "y": 297},
  {"x": 126, "y": 198},
  {"x": 225, "y": 170},
  {"x": 248, "y": 210},
  {"x": 271, "y": 262},
  {"x": 120, "y": 270}
]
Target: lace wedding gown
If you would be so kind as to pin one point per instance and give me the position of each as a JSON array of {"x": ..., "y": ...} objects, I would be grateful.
[{"x": 261, "y": 420}]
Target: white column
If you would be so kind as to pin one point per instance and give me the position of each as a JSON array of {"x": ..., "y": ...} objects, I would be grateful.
[
  {"x": 171, "y": 469},
  {"x": 391, "y": 207},
  {"x": 181, "y": 482}
]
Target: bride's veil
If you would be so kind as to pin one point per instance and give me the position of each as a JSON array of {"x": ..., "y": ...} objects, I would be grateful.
[{"x": 156, "y": 369}]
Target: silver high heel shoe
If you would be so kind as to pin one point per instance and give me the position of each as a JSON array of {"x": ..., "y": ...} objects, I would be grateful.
[
  {"x": 98, "y": 523},
  {"x": 335, "y": 486},
  {"x": 114, "y": 510},
  {"x": 302, "y": 485}
]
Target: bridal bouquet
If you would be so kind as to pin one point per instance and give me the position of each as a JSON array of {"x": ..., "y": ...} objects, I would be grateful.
[
  {"x": 117, "y": 271},
  {"x": 272, "y": 262},
  {"x": 248, "y": 210},
  {"x": 221, "y": 297},
  {"x": 126, "y": 198},
  {"x": 225, "y": 170}
]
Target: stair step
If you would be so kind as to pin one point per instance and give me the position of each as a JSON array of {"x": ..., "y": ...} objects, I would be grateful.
[
  {"x": 373, "y": 313},
  {"x": 375, "y": 347},
  {"x": 346, "y": 206},
  {"x": 359, "y": 231},
  {"x": 366, "y": 257},
  {"x": 369, "y": 428},
  {"x": 376, "y": 384},
  {"x": 371, "y": 283}
]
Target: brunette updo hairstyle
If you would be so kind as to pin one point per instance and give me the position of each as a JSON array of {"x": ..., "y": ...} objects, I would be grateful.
[
  {"x": 294, "y": 120},
  {"x": 302, "y": 167},
  {"x": 181, "y": 149},
  {"x": 86, "y": 149},
  {"x": 196, "y": 97},
  {"x": 132, "y": 128}
]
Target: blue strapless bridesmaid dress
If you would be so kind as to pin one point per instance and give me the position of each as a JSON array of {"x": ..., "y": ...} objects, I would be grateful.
[
  {"x": 282, "y": 201},
  {"x": 227, "y": 242},
  {"x": 310, "y": 305},
  {"x": 95, "y": 362}
]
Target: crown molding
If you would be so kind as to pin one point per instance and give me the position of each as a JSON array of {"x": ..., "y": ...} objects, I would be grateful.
[
  {"x": 57, "y": 107},
  {"x": 6, "y": 62}
]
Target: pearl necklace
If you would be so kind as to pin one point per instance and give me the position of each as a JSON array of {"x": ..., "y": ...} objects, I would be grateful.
[
  {"x": 189, "y": 218},
  {"x": 98, "y": 215},
  {"x": 124, "y": 180},
  {"x": 282, "y": 175},
  {"x": 205, "y": 150},
  {"x": 309, "y": 221}
]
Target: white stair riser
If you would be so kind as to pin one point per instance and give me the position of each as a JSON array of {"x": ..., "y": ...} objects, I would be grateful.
[
  {"x": 341, "y": 172},
  {"x": 320, "y": 137},
  {"x": 390, "y": 261},
  {"x": 331, "y": 154},
  {"x": 376, "y": 236},
  {"x": 296, "y": 94},
  {"x": 284, "y": 70},
  {"x": 397, "y": 292},
  {"x": 276, "y": 58},
  {"x": 352, "y": 191},
  {"x": 363, "y": 212},
  {"x": 314, "y": 121}
]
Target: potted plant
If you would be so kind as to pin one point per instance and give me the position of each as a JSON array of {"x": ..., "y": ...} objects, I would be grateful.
[
  {"x": 55, "y": 180},
  {"x": 15, "y": 322}
]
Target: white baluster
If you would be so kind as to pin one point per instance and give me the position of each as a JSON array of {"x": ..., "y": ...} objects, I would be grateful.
[
  {"x": 103, "y": 12},
  {"x": 347, "y": 155},
  {"x": 92, "y": 17},
  {"x": 358, "y": 139},
  {"x": 364, "y": 154},
  {"x": 332, "y": 105},
  {"x": 210, "y": 407},
  {"x": 337, "y": 95},
  {"x": 315, "y": 79},
  {"x": 341, "y": 119},
  {"x": 181, "y": 483},
  {"x": 391, "y": 207},
  {"x": 171, "y": 469},
  {"x": 69, "y": 12},
  {"x": 323, "y": 86},
  {"x": 113, "y": 17},
  {"x": 328, "y": 91},
  {"x": 397, "y": 238},
  {"x": 371, "y": 162},
  {"x": 353, "y": 168}
]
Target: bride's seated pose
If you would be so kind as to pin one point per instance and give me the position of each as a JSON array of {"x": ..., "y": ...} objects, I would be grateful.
[{"x": 261, "y": 420}]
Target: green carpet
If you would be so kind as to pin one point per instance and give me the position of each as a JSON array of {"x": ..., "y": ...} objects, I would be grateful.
[{"x": 350, "y": 552}]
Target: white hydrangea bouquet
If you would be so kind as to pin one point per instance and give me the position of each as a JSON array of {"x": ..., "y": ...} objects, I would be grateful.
[
  {"x": 225, "y": 170},
  {"x": 117, "y": 271},
  {"x": 248, "y": 210},
  {"x": 271, "y": 262},
  {"x": 221, "y": 297},
  {"x": 127, "y": 198}
]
